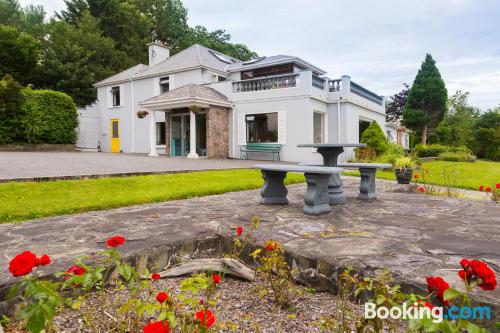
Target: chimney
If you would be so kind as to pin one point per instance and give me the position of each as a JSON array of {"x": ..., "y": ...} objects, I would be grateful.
[{"x": 157, "y": 52}]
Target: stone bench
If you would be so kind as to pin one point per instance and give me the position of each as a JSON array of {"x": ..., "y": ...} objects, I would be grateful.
[
  {"x": 316, "y": 199},
  {"x": 367, "y": 183}
]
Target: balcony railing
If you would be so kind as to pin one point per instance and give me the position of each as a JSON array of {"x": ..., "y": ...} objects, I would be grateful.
[
  {"x": 335, "y": 85},
  {"x": 266, "y": 83},
  {"x": 318, "y": 82},
  {"x": 363, "y": 92}
]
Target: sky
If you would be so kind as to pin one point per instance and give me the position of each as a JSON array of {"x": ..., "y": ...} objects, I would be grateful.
[{"x": 379, "y": 44}]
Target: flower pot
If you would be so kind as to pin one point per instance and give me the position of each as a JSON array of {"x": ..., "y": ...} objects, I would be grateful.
[{"x": 404, "y": 176}]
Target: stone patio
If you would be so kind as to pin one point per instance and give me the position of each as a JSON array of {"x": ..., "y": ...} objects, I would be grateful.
[{"x": 413, "y": 235}]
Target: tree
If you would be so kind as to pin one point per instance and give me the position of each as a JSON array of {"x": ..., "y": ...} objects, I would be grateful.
[
  {"x": 426, "y": 104},
  {"x": 396, "y": 105},
  {"x": 19, "y": 53},
  {"x": 75, "y": 57},
  {"x": 457, "y": 127},
  {"x": 374, "y": 137},
  {"x": 487, "y": 133},
  {"x": 11, "y": 100},
  {"x": 29, "y": 19}
]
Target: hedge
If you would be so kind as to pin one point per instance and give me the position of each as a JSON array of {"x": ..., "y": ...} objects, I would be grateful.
[
  {"x": 374, "y": 137},
  {"x": 435, "y": 150},
  {"x": 48, "y": 117}
]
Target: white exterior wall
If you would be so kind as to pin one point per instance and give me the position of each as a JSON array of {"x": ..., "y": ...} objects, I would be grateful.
[{"x": 88, "y": 128}]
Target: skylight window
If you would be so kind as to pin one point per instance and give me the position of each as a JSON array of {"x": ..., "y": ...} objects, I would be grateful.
[
  {"x": 222, "y": 57},
  {"x": 253, "y": 61}
]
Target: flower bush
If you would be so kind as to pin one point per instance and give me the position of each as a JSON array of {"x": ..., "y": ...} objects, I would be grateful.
[{"x": 493, "y": 192}]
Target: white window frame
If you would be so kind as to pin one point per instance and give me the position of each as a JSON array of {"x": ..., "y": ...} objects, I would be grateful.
[
  {"x": 323, "y": 127},
  {"x": 110, "y": 96}
]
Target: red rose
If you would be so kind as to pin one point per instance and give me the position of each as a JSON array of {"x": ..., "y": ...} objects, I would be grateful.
[
  {"x": 271, "y": 245},
  {"x": 497, "y": 185},
  {"x": 201, "y": 301},
  {"x": 216, "y": 278},
  {"x": 239, "y": 231},
  {"x": 421, "y": 189},
  {"x": 155, "y": 276},
  {"x": 157, "y": 327},
  {"x": 76, "y": 270},
  {"x": 484, "y": 274},
  {"x": 23, "y": 263},
  {"x": 161, "y": 296},
  {"x": 488, "y": 189},
  {"x": 44, "y": 260},
  {"x": 481, "y": 188},
  {"x": 437, "y": 285},
  {"x": 116, "y": 241},
  {"x": 206, "y": 318}
]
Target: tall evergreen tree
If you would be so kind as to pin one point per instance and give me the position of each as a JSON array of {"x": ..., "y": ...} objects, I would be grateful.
[{"x": 426, "y": 104}]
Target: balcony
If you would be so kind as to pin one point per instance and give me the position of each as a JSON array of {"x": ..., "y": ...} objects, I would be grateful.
[
  {"x": 318, "y": 82},
  {"x": 266, "y": 83}
]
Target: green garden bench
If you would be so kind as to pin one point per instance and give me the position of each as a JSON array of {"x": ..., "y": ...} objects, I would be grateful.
[{"x": 272, "y": 148}]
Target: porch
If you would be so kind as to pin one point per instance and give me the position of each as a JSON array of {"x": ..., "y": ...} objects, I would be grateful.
[{"x": 196, "y": 122}]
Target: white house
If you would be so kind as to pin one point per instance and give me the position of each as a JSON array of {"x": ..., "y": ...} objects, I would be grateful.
[{"x": 277, "y": 99}]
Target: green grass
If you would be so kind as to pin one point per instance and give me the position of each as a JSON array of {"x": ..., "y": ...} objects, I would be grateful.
[
  {"x": 468, "y": 175},
  {"x": 24, "y": 201}
]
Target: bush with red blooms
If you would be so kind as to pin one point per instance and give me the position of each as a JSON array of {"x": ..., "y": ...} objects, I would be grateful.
[
  {"x": 243, "y": 237},
  {"x": 475, "y": 272},
  {"x": 493, "y": 192}
]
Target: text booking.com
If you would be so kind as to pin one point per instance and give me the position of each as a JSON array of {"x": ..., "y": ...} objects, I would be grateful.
[{"x": 437, "y": 313}]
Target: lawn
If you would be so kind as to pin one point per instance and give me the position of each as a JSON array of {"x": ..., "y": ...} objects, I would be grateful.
[
  {"x": 24, "y": 201},
  {"x": 464, "y": 175}
]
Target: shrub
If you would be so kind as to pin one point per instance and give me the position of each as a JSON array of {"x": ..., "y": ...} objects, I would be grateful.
[
  {"x": 457, "y": 157},
  {"x": 435, "y": 149},
  {"x": 11, "y": 100},
  {"x": 393, "y": 152},
  {"x": 404, "y": 163},
  {"x": 374, "y": 137},
  {"x": 365, "y": 154},
  {"x": 48, "y": 117}
]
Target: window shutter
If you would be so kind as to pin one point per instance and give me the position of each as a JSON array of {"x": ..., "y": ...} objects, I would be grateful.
[
  {"x": 242, "y": 131},
  {"x": 282, "y": 127}
]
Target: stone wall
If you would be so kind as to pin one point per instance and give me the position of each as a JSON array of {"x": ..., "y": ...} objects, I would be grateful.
[{"x": 217, "y": 132}]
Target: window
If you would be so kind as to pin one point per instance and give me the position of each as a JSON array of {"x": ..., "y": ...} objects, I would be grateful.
[
  {"x": 218, "y": 78},
  {"x": 318, "y": 127},
  {"x": 267, "y": 71},
  {"x": 164, "y": 84},
  {"x": 160, "y": 133},
  {"x": 389, "y": 136},
  {"x": 115, "y": 95},
  {"x": 262, "y": 127}
]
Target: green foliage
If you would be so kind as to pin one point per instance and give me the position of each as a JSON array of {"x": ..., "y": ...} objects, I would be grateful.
[
  {"x": 487, "y": 134},
  {"x": 374, "y": 137},
  {"x": 11, "y": 100},
  {"x": 19, "y": 53},
  {"x": 435, "y": 149},
  {"x": 404, "y": 162},
  {"x": 426, "y": 103},
  {"x": 457, "y": 157},
  {"x": 393, "y": 152},
  {"x": 48, "y": 117}
]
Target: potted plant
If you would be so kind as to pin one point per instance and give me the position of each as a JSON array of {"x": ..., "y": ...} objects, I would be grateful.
[
  {"x": 403, "y": 167},
  {"x": 142, "y": 113}
]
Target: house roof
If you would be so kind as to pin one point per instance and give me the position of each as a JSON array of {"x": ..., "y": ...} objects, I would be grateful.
[
  {"x": 124, "y": 75},
  {"x": 187, "y": 95},
  {"x": 194, "y": 56},
  {"x": 272, "y": 60}
]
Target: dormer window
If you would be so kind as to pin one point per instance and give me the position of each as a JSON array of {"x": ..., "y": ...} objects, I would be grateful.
[
  {"x": 164, "y": 84},
  {"x": 115, "y": 95}
]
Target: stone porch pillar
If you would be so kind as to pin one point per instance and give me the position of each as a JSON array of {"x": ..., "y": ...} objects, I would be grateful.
[
  {"x": 167, "y": 134},
  {"x": 152, "y": 135},
  {"x": 192, "y": 135}
]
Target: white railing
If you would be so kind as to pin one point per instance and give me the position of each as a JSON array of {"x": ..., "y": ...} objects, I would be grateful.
[
  {"x": 266, "y": 83},
  {"x": 335, "y": 85},
  {"x": 363, "y": 92},
  {"x": 318, "y": 82}
]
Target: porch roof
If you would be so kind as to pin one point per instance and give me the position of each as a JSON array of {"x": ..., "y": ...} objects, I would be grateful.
[{"x": 190, "y": 94}]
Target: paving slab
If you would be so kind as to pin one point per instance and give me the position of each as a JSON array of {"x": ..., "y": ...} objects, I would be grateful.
[
  {"x": 413, "y": 235},
  {"x": 28, "y": 166}
]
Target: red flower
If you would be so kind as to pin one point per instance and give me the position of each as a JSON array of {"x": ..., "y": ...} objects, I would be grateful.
[
  {"x": 43, "y": 260},
  {"x": 416, "y": 176},
  {"x": 161, "y": 296},
  {"x": 437, "y": 285},
  {"x": 155, "y": 276},
  {"x": 497, "y": 185},
  {"x": 206, "y": 318},
  {"x": 201, "y": 301},
  {"x": 421, "y": 189},
  {"x": 239, "y": 231},
  {"x": 116, "y": 241},
  {"x": 481, "y": 188},
  {"x": 479, "y": 272},
  {"x": 23, "y": 263},
  {"x": 429, "y": 305},
  {"x": 216, "y": 278},
  {"x": 157, "y": 327},
  {"x": 271, "y": 245},
  {"x": 76, "y": 270},
  {"x": 488, "y": 189}
]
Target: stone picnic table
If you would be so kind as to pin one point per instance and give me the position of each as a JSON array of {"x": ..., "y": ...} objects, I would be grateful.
[{"x": 330, "y": 153}]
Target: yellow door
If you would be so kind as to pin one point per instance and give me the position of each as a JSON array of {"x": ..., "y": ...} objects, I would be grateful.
[{"x": 115, "y": 135}]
